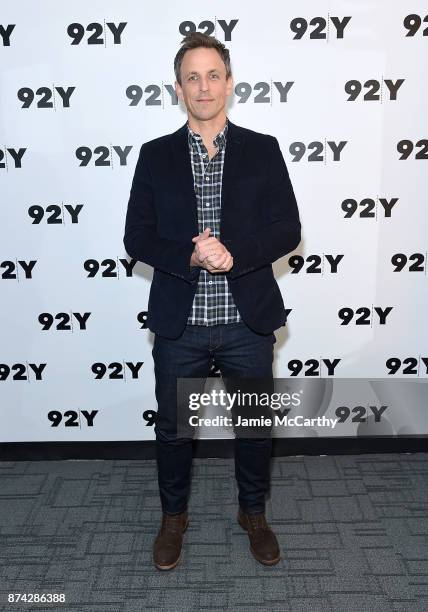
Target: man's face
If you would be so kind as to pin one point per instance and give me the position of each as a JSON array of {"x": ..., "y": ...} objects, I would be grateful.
[{"x": 204, "y": 88}]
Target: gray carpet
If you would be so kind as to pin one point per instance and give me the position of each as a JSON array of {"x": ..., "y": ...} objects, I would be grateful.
[{"x": 353, "y": 530}]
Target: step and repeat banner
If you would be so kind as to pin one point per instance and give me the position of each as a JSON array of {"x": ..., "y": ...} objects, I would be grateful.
[{"x": 343, "y": 87}]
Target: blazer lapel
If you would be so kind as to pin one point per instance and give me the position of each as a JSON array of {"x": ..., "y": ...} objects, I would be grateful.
[
  {"x": 183, "y": 168},
  {"x": 234, "y": 144}
]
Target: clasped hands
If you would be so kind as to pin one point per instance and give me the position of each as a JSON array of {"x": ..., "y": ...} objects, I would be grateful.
[{"x": 210, "y": 253}]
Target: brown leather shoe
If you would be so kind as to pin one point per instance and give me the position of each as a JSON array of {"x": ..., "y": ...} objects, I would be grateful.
[
  {"x": 168, "y": 542},
  {"x": 263, "y": 542}
]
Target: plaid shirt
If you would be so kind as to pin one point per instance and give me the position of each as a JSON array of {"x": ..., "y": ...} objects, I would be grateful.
[{"x": 213, "y": 302}]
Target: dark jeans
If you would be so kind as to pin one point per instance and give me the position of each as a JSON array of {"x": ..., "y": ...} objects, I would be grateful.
[{"x": 238, "y": 352}]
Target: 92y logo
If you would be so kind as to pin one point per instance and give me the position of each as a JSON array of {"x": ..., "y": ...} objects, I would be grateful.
[
  {"x": 368, "y": 208},
  {"x": 27, "y": 371},
  {"x": 54, "y": 214},
  {"x": 105, "y": 155},
  {"x": 318, "y": 27},
  {"x": 375, "y": 91},
  {"x": 361, "y": 413},
  {"x": 65, "y": 321},
  {"x": 320, "y": 150},
  {"x": 118, "y": 369},
  {"x": 313, "y": 366},
  {"x": 71, "y": 418},
  {"x": 99, "y": 35},
  {"x": 47, "y": 99},
  {"x": 209, "y": 27},
  {"x": 111, "y": 267},
  {"x": 317, "y": 264},
  {"x": 367, "y": 315}
]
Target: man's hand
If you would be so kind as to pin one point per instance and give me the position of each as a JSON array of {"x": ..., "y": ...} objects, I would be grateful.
[
  {"x": 219, "y": 263},
  {"x": 210, "y": 253}
]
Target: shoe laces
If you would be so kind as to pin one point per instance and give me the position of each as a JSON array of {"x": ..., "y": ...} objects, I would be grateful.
[
  {"x": 172, "y": 523},
  {"x": 257, "y": 521}
]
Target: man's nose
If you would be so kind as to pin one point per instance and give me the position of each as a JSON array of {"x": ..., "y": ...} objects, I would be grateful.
[{"x": 203, "y": 84}]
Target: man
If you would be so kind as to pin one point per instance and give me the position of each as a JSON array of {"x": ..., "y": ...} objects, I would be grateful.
[{"x": 211, "y": 207}]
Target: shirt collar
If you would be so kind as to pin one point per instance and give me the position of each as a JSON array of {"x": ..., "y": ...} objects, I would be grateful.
[{"x": 219, "y": 141}]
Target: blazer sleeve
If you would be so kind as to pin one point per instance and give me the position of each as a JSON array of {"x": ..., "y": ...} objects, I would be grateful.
[
  {"x": 141, "y": 240},
  {"x": 282, "y": 232}
]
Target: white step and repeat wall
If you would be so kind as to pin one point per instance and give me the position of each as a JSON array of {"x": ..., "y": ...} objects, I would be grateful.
[{"x": 344, "y": 88}]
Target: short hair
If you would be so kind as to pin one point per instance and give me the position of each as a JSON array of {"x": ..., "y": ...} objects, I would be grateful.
[{"x": 195, "y": 40}]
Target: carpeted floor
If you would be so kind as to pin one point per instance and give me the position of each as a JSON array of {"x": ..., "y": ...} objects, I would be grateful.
[{"x": 353, "y": 530}]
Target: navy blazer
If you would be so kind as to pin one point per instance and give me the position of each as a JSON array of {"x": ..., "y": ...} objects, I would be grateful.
[{"x": 259, "y": 224}]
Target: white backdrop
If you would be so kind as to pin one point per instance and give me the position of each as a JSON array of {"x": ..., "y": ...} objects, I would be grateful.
[{"x": 343, "y": 87}]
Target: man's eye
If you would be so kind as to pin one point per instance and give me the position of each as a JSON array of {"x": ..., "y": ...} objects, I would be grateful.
[
  {"x": 215, "y": 75},
  {"x": 192, "y": 77}
]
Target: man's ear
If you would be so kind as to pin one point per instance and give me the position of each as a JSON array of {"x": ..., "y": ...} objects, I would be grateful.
[
  {"x": 178, "y": 90},
  {"x": 230, "y": 85}
]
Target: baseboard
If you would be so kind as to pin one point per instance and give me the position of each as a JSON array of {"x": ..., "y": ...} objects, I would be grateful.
[{"x": 281, "y": 447}]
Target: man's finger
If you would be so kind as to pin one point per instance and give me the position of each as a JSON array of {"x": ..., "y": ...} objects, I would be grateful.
[
  {"x": 220, "y": 266},
  {"x": 204, "y": 243},
  {"x": 205, "y": 247},
  {"x": 203, "y": 236},
  {"x": 217, "y": 261},
  {"x": 204, "y": 258}
]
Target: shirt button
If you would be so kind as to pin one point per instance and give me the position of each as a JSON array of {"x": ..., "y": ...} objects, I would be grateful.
[
  {"x": 204, "y": 155},
  {"x": 207, "y": 178},
  {"x": 210, "y": 282},
  {"x": 206, "y": 204}
]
